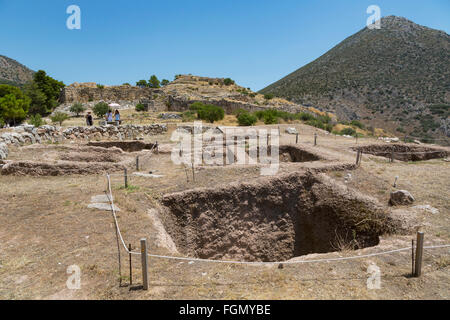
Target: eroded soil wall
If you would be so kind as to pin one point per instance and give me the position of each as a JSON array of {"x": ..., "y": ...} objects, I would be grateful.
[{"x": 273, "y": 219}]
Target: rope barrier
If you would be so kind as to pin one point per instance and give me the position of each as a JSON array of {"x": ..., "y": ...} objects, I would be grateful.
[{"x": 110, "y": 197}]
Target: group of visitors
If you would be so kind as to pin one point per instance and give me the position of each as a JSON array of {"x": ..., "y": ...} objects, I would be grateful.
[{"x": 108, "y": 117}]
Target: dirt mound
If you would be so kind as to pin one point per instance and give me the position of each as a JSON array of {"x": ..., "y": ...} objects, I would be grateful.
[
  {"x": 22, "y": 168},
  {"x": 273, "y": 219},
  {"x": 404, "y": 152},
  {"x": 128, "y": 146}
]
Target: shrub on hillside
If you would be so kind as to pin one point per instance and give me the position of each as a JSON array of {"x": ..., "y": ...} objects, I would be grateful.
[
  {"x": 189, "y": 116},
  {"x": 140, "y": 107},
  {"x": 100, "y": 109},
  {"x": 207, "y": 112},
  {"x": 211, "y": 113},
  {"x": 228, "y": 82},
  {"x": 269, "y": 96},
  {"x": 59, "y": 117},
  {"x": 36, "y": 120},
  {"x": 358, "y": 124},
  {"x": 246, "y": 119},
  {"x": 348, "y": 132},
  {"x": 77, "y": 108}
]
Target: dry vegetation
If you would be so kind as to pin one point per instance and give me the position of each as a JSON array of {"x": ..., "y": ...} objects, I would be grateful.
[{"x": 45, "y": 226}]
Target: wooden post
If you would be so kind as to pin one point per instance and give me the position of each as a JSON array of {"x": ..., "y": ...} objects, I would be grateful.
[
  {"x": 137, "y": 163},
  {"x": 131, "y": 266},
  {"x": 357, "y": 157},
  {"x": 392, "y": 156},
  {"x": 315, "y": 139},
  {"x": 406, "y": 138},
  {"x": 360, "y": 157},
  {"x": 125, "y": 173},
  {"x": 144, "y": 264},
  {"x": 419, "y": 254},
  {"x": 157, "y": 147},
  {"x": 193, "y": 172},
  {"x": 412, "y": 257},
  {"x": 296, "y": 139}
]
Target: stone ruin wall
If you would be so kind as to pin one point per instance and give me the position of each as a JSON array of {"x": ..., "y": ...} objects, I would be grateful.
[
  {"x": 85, "y": 94},
  {"x": 30, "y": 135}
]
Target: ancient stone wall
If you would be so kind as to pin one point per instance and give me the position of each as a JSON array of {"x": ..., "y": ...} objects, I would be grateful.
[
  {"x": 115, "y": 93},
  {"x": 179, "y": 105},
  {"x": 28, "y": 134}
]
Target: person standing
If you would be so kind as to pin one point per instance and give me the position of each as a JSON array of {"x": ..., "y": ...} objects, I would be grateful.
[
  {"x": 117, "y": 117},
  {"x": 89, "y": 120},
  {"x": 110, "y": 116}
]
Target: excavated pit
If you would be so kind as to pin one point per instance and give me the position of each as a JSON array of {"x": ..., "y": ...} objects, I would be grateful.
[
  {"x": 273, "y": 219},
  {"x": 404, "y": 152},
  {"x": 127, "y": 146},
  {"x": 287, "y": 153},
  {"x": 65, "y": 160}
]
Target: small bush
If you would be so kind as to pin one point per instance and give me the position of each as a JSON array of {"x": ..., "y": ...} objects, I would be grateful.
[
  {"x": 240, "y": 111},
  {"x": 305, "y": 116},
  {"x": 77, "y": 108},
  {"x": 140, "y": 107},
  {"x": 207, "y": 112},
  {"x": 100, "y": 109},
  {"x": 348, "y": 132},
  {"x": 269, "y": 96},
  {"x": 189, "y": 116},
  {"x": 36, "y": 120},
  {"x": 358, "y": 124},
  {"x": 246, "y": 119},
  {"x": 100, "y": 86},
  {"x": 59, "y": 117},
  {"x": 211, "y": 113},
  {"x": 228, "y": 82},
  {"x": 270, "y": 118},
  {"x": 196, "y": 106}
]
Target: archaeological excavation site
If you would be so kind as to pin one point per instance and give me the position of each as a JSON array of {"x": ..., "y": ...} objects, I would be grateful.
[{"x": 219, "y": 210}]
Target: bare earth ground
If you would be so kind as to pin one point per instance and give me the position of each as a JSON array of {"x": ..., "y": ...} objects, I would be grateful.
[{"x": 45, "y": 226}]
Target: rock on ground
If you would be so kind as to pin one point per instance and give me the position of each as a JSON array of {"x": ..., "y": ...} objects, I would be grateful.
[{"x": 401, "y": 197}]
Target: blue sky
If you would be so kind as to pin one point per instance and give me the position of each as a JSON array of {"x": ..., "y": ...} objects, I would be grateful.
[{"x": 255, "y": 42}]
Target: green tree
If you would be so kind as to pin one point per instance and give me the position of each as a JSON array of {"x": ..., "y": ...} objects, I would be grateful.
[
  {"x": 14, "y": 104},
  {"x": 59, "y": 117},
  {"x": 164, "y": 82},
  {"x": 142, "y": 83},
  {"x": 38, "y": 103},
  {"x": 154, "y": 82},
  {"x": 50, "y": 87},
  {"x": 100, "y": 109},
  {"x": 77, "y": 108},
  {"x": 211, "y": 113}
]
